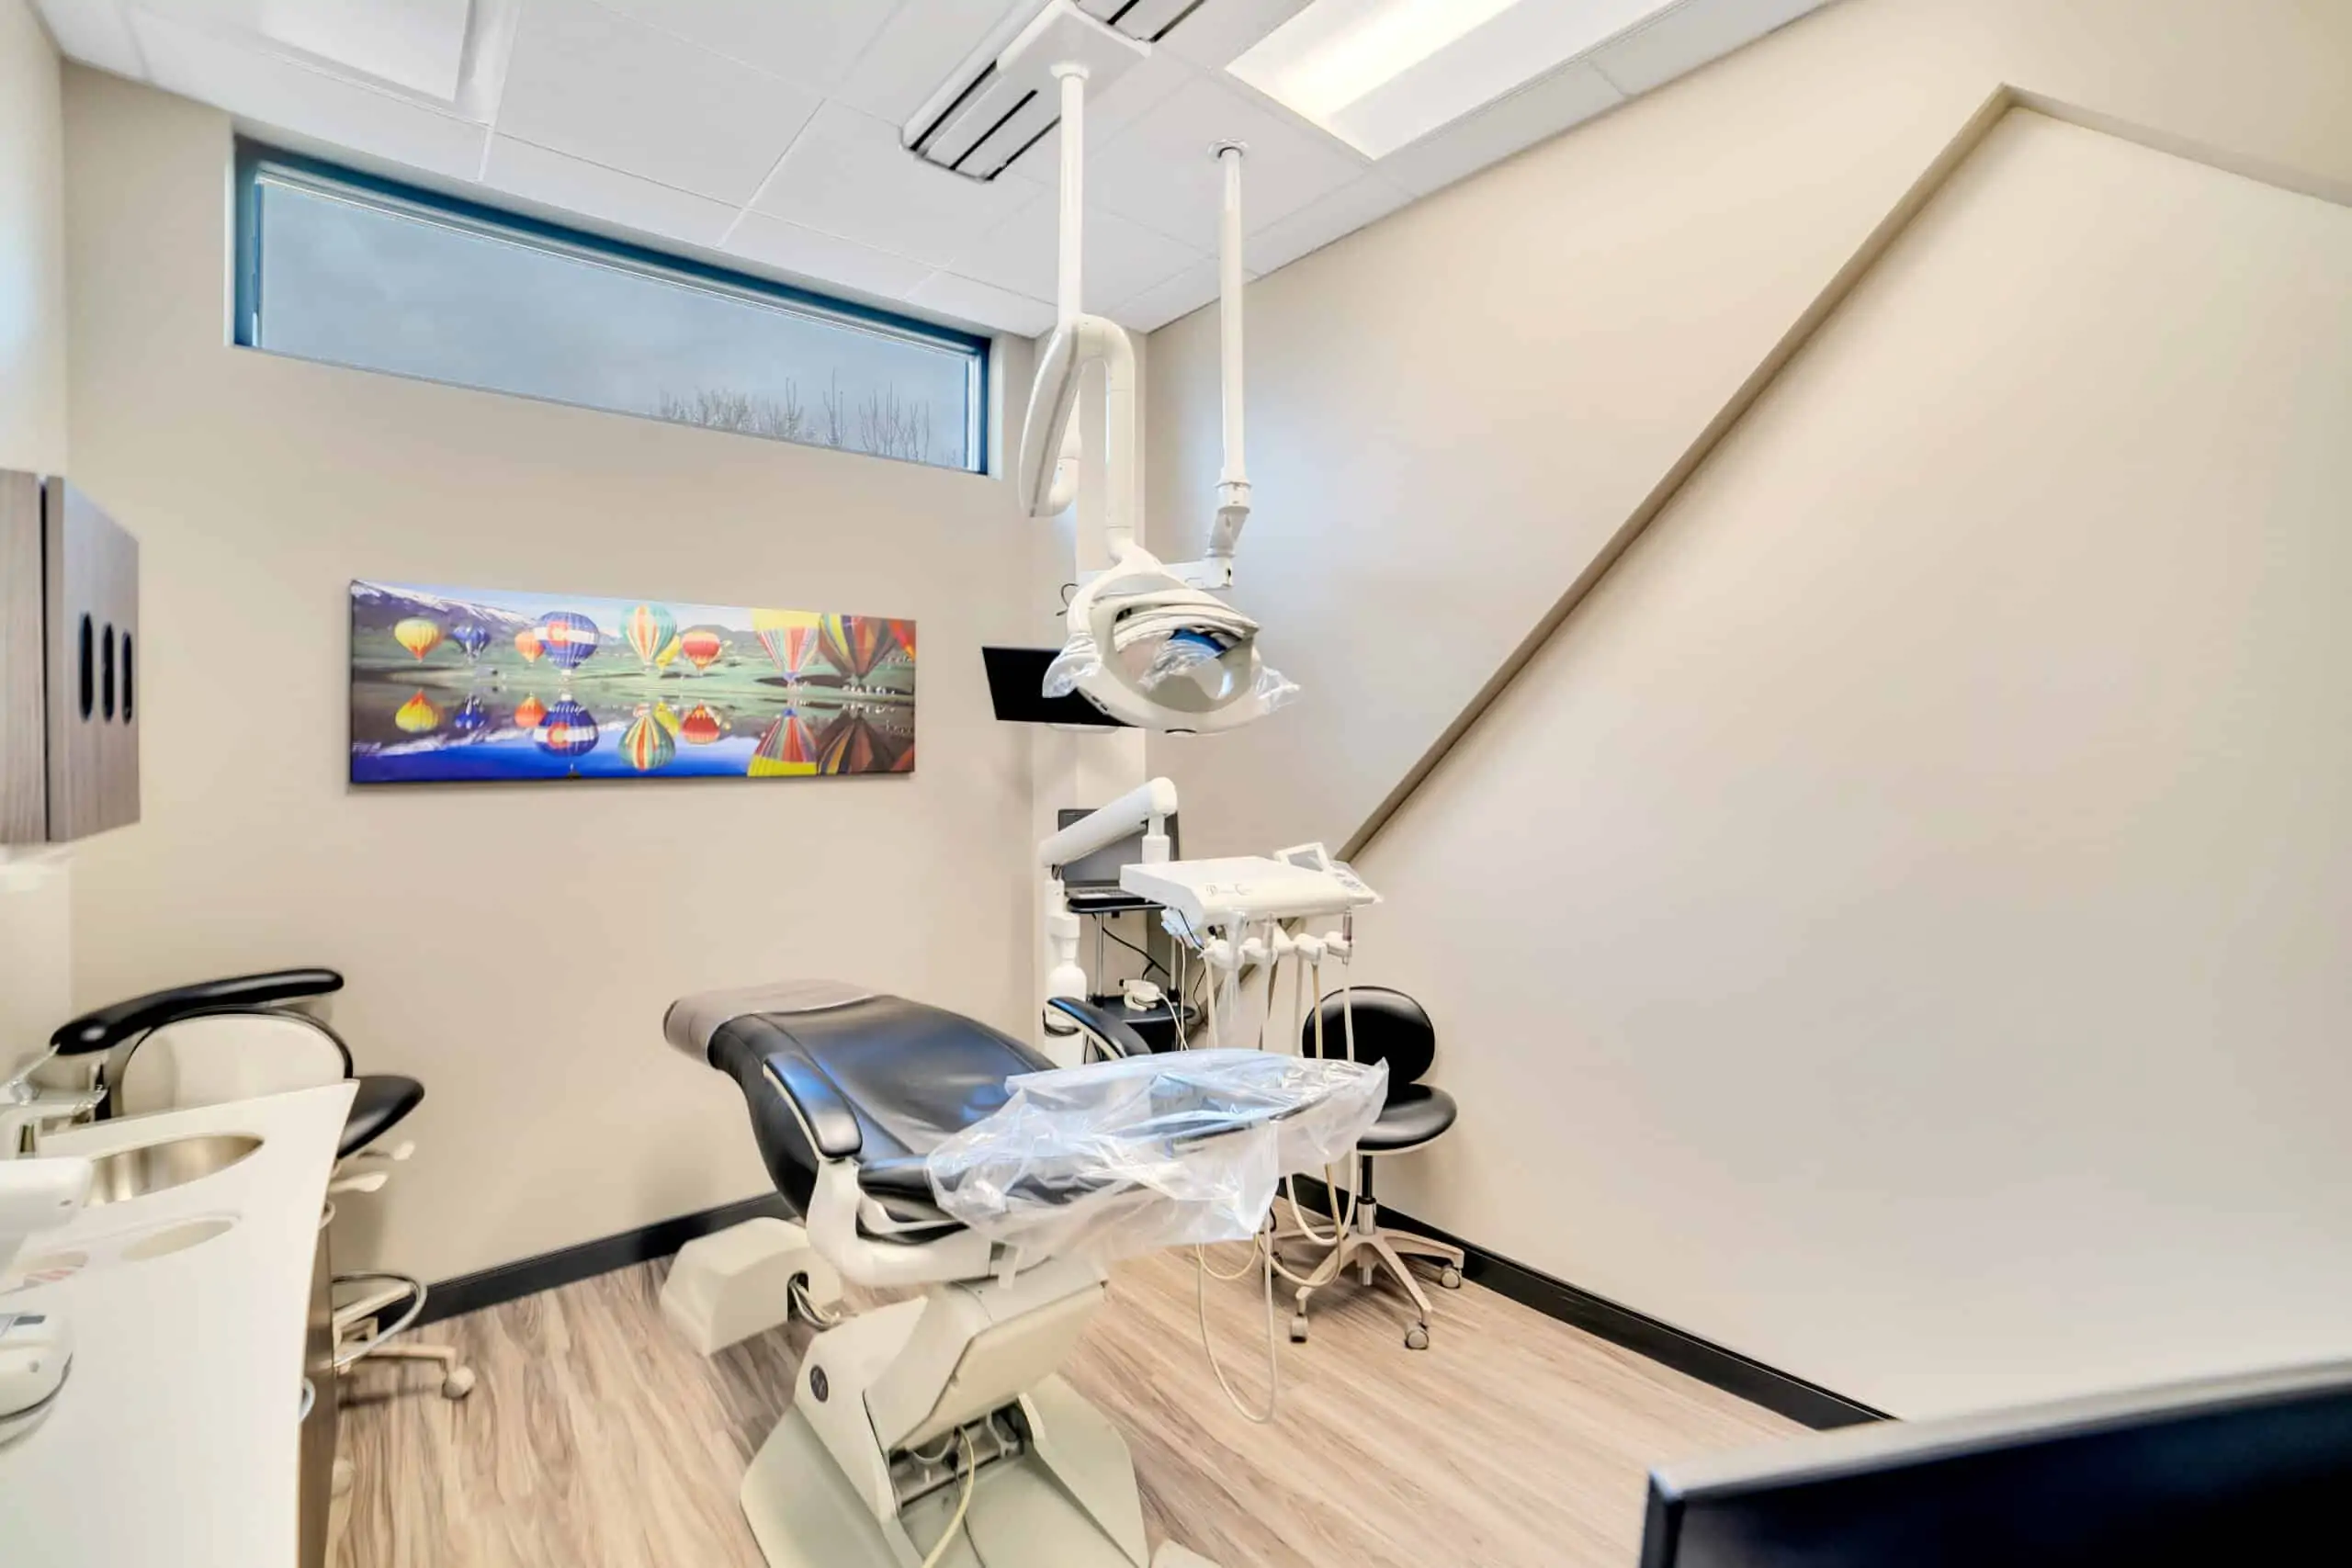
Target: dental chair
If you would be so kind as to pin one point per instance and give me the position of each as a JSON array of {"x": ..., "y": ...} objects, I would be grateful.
[{"x": 935, "y": 1431}]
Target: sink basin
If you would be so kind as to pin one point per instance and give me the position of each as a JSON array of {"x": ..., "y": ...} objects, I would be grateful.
[{"x": 156, "y": 1168}]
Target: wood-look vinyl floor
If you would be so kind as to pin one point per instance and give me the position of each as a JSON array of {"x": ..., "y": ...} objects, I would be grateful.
[{"x": 597, "y": 1439}]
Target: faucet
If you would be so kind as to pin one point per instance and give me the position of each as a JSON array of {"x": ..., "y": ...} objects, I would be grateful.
[{"x": 26, "y": 1112}]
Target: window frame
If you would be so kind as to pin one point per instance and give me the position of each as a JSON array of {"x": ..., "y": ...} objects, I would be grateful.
[{"x": 256, "y": 160}]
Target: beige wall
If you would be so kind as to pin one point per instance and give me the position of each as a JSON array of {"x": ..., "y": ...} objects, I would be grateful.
[
  {"x": 1454, "y": 411},
  {"x": 516, "y": 946},
  {"x": 1896, "y": 928},
  {"x": 32, "y": 245}
]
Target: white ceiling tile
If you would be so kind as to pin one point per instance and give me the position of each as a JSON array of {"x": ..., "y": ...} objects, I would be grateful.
[
  {"x": 616, "y": 92},
  {"x": 1162, "y": 171},
  {"x": 1123, "y": 259},
  {"x": 825, "y": 261},
  {"x": 1126, "y": 99},
  {"x": 1170, "y": 298},
  {"x": 1575, "y": 92},
  {"x": 1690, "y": 35},
  {"x": 916, "y": 52},
  {"x": 1219, "y": 32},
  {"x": 575, "y": 185},
  {"x": 847, "y": 174},
  {"x": 417, "y": 46},
  {"x": 981, "y": 304},
  {"x": 813, "y": 42},
  {"x": 94, "y": 32},
  {"x": 281, "y": 93},
  {"x": 1312, "y": 227}
]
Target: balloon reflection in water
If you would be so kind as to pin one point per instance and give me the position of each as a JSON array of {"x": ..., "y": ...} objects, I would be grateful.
[
  {"x": 647, "y": 631},
  {"x": 645, "y": 743},
  {"x": 419, "y": 635},
  {"x": 569, "y": 729},
  {"x": 527, "y": 643},
  {"x": 529, "y": 713},
  {"x": 569, "y": 638},
  {"x": 702, "y": 648},
  {"x": 417, "y": 716},
  {"x": 790, "y": 637},
  {"x": 787, "y": 750},
  {"x": 701, "y": 727},
  {"x": 471, "y": 637},
  {"x": 852, "y": 744},
  {"x": 473, "y": 715}
]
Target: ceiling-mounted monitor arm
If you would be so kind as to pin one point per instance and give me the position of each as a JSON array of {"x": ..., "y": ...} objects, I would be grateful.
[{"x": 1233, "y": 478}]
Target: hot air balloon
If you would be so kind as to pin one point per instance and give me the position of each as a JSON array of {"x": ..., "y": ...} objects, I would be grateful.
[
  {"x": 419, "y": 634},
  {"x": 854, "y": 643},
  {"x": 645, "y": 743},
  {"x": 418, "y": 715},
  {"x": 668, "y": 656},
  {"x": 666, "y": 716},
  {"x": 472, "y": 716},
  {"x": 786, "y": 751},
  {"x": 569, "y": 638},
  {"x": 903, "y": 634},
  {"x": 647, "y": 631},
  {"x": 701, "y": 727},
  {"x": 568, "y": 730},
  {"x": 905, "y": 762},
  {"x": 529, "y": 713},
  {"x": 790, "y": 637},
  {"x": 702, "y": 648},
  {"x": 471, "y": 637},
  {"x": 526, "y": 643}
]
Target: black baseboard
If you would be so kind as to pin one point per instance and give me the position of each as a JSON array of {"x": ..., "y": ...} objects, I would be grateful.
[
  {"x": 1782, "y": 1392},
  {"x": 1662, "y": 1342},
  {"x": 569, "y": 1265}
]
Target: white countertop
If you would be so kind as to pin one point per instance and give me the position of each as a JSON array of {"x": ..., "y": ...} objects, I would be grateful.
[{"x": 175, "y": 1439}]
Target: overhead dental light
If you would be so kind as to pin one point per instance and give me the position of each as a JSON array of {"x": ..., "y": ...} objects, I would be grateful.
[{"x": 1150, "y": 643}]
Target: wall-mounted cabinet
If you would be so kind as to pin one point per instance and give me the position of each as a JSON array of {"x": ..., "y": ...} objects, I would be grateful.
[{"x": 69, "y": 660}]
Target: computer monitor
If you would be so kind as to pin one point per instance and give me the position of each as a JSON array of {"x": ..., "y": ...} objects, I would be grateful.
[
  {"x": 1100, "y": 870},
  {"x": 2236, "y": 1470}
]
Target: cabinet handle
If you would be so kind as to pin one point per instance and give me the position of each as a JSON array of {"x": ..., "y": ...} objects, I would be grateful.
[
  {"x": 105, "y": 675},
  {"x": 90, "y": 670},
  {"x": 126, "y": 677}
]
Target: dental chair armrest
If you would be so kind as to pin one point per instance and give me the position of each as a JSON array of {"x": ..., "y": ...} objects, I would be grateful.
[
  {"x": 833, "y": 1128},
  {"x": 109, "y": 1026},
  {"x": 1104, "y": 1024}
]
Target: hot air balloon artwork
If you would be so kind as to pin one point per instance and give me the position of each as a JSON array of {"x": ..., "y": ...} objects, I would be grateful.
[
  {"x": 461, "y": 683},
  {"x": 568, "y": 730},
  {"x": 790, "y": 637},
  {"x": 418, "y": 715},
  {"x": 569, "y": 638},
  {"x": 702, "y": 648},
  {"x": 471, "y": 637},
  {"x": 647, "y": 743},
  {"x": 648, "y": 628},
  {"x": 420, "y": 635}
]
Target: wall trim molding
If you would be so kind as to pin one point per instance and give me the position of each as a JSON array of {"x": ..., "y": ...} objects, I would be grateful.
[
  {"x": 585, "y": 1260},
  {"x": 1783, "y": 1393}
]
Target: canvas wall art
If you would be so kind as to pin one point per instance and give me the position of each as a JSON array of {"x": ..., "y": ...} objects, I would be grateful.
[{"x": 462, "y": 683}]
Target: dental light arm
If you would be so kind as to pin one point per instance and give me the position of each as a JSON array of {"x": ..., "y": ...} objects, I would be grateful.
[{"x": 1233, "y": 480}]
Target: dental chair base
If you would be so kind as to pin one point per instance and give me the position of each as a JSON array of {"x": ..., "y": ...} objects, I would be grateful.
[
  {"x": 725, "y": 1287},
  {"x": 966, "y": 1370}
]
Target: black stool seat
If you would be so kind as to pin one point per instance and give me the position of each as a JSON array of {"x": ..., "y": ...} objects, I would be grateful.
[
  {"x": 1415, "y": 1113},
  {"x": 882, "y": 1081},
  {"x": 381, "y": 1100}
]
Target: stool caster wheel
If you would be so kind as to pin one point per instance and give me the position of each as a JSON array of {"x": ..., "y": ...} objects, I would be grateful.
[
  {"x": 1450, "y": 1277},
  {"x": 1298, "y": 1329},
  {"x": 459, "y": 1383},
  {"x": 1417, "y": 1338}
]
